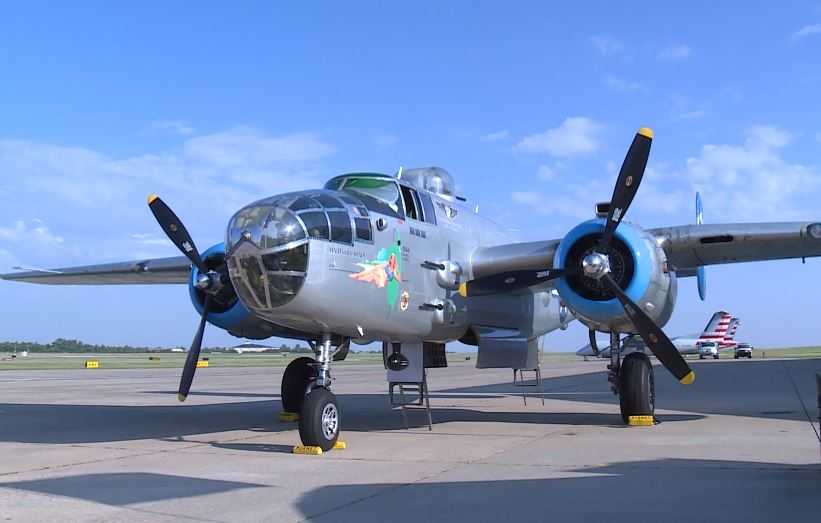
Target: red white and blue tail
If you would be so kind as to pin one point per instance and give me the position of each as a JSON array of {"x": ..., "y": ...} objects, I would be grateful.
[
  {"x": 729, "y": 340},
  {"x": 717, "y": 328}
]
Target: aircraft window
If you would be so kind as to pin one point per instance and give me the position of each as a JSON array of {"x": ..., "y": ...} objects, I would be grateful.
[
  {"x": 283, "y": 288},
  {"x": 317, "y": 224},
  {"x": 280, "y": 227},
  {"x": 410, "y": 203},
  {"x": 419, "y": 210},
  {"x": 253, "y": 272},
  {"x": 295, "y": 259},
  {"x": 363, "y": 211},
  {"x": 378, "y": 194},
  {"x": 329, "y": 201},
  {"x": 340, "y": 227},
  {"x": 363, "y": 229},
  {"x": 427, "y": 205},
  {"x": 304, "y": 202},
  {"x": 349, "y": 199}
]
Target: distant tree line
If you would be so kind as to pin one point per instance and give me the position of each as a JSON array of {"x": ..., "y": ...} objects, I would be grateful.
[{"x": 64, "y": 345}]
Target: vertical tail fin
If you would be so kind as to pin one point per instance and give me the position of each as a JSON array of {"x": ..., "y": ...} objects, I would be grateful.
[
  {"x": 717, "y": 327},
  {"x": 729, "y": 340}
]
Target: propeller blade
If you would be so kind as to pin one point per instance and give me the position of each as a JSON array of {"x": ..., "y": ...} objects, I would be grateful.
[
  {"x": 193, "y": 354},
  {"x": 655, "y": 339},
  {"x": 628, "y": 181},
  {"x": 175, "y": 231},
  {"x": 507, "y": 281}
]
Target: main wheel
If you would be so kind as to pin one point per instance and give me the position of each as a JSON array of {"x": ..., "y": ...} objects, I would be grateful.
[
  {"x": 637, "y": 393},
  {"x": 298, "y": 374},
  {"x": 320, "y": 419},
  {"x": 715, "y": 356}
]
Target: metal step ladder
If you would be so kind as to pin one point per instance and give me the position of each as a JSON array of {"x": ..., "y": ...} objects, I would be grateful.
[
  {"x": 420, "y": 397},
  {"x": 537, "y": 381}
]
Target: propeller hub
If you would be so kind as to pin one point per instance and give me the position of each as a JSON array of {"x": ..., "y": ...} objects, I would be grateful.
[
  {"x": 595, "y": 265},
  {"x": 210, "y": 282}
]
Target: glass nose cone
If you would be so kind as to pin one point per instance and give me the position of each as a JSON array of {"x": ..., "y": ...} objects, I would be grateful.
[{"x": 267, "y": 255}]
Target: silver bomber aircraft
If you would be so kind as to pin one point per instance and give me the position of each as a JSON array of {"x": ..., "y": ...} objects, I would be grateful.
[{"x": 404, "y": 261}]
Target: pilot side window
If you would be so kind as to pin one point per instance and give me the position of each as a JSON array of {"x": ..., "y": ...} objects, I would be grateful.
[
  {"x": 427, "y": 207},
  {"x": 340, "y": 226},
  {"x": 411, "y": 199},
  {"x": 317, "y": 224}
]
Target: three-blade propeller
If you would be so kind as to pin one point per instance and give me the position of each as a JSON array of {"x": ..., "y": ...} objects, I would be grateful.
[
  {"x": 627, "y": 184},
  {"x": 179, "y": 236}
]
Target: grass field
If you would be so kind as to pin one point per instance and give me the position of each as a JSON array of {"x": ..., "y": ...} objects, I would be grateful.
[{"x": 57, "y": 361}]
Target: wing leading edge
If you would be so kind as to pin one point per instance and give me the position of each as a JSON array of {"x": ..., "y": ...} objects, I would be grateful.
[
  {"x": 172, "y": 270},
  {"x": 692, "y": 246}
]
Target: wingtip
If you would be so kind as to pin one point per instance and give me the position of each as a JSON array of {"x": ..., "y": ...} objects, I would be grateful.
[
  {"x": 646, "y": 132},
  {"x": 151, "y": 198},
  {"x": 689, "y": 378}
]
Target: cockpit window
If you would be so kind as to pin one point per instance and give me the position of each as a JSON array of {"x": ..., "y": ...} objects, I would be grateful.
[
  {"x": 377, "y": 193},
  {"x": 280, "y": 227}
]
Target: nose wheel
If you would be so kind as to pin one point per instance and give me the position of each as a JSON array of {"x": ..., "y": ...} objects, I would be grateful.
[{"x": 320, "y": 419}]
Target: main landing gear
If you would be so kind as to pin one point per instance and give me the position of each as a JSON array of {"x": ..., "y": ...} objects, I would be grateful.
[
  {"x": 632, "y": 379},
  {"x": 306, "y": 390}
]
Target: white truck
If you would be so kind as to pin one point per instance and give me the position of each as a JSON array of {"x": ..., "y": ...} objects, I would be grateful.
[{"x": 707, "y": 349}]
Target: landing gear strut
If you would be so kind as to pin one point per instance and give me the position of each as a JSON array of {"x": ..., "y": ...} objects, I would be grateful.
[
  {"x": 632, "y": 379},
  {"x": 319, "y": 416}
]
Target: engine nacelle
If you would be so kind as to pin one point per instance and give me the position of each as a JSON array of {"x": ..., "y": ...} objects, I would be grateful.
[
  {"x": 637, "y": 263},
  {"x": 227, "y": 311}
]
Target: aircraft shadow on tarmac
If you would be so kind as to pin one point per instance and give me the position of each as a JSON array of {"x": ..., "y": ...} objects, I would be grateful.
[
  {"x": 756, "y": 388},
  {"x": 127, "y": 488},
  {"x": 652, "y": 490}
]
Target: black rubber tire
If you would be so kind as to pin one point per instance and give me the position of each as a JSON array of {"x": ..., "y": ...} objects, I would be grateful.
[
  {"x": 735, "y": 357},
  {"x": 637, "y": 391},
  {"x": 311, "y": 428},
  {"x": 701, "y": 356},
  {"x": 298, "y": 374},
  {"x": 715, "y": 356}
]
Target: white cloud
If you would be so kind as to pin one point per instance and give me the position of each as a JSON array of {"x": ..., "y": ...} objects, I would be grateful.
[
  {"x": 244, "y": 146},
  {"x": 36, "y": 232},
  {"x": 818, "y": 137},
  {"x": 753, "y": 181},
  {"x": 607, "y": 45},
  {"x": 150, "y": 239},
  {"x": 575, "y": 136},
  {"x": 807, "y": 30},
  {"x": 622, "y": 84},
  {"x": 173, "y": 126},
  {"x": 495, "y": 137},
  {"x": 97, "y": 198},
  {"x": 674, "y": 53}
]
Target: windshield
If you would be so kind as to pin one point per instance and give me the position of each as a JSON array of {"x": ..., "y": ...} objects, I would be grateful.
[{"x": 379, "y": 194}]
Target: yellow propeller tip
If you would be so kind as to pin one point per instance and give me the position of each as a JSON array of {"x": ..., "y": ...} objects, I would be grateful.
[
  {"x": 689, "y": 378},
  {"x": 181, "y": 397},
  {"x": 463, "y": 289},
  {"x": 151, "y": 198},
  {"x": 646, "y": 132}
]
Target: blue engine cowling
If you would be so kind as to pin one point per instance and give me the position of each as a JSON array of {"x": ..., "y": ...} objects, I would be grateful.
[
  {"x": 228, "y": 312},
  {"x": 638, "y": 265}
]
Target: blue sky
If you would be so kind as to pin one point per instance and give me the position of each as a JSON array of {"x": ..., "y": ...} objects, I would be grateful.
[{"x": 531, "y": 107}]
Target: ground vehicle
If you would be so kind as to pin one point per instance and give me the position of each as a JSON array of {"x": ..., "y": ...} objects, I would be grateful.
[
  {"x": 743, "y": 350},
  {"x": 707, "y": 348}
]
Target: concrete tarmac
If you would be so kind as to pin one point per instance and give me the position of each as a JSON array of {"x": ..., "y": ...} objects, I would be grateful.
[{"x": 115, "y": 445}]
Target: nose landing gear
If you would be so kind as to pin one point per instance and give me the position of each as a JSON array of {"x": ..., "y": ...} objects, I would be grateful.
[{"x": 306, "y": 390}]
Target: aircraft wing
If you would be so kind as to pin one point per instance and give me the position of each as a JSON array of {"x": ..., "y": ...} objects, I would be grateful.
[
  {"x": 687, "y": 247},
  {"x": 691, "y": 246},
  {"x": 159, "y": 270}
]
